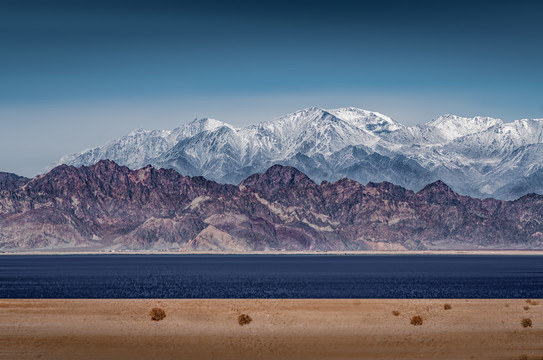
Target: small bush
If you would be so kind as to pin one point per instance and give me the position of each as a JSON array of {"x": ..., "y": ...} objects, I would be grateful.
[
  {"x": 526, "y": 308},
  {"x": 447, "y": 307},
  {"x": 532, "y": 302},
  {"x": 523, "y": 357},
  {"x": 416, "y": 320},
  {"x": 395, "y": 312},
  {"x": 244, "y": 319},
  {"x": 526, "y": 322},
  {"x": 157, "y": 314}
]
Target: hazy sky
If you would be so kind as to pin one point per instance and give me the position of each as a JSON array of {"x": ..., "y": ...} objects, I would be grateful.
[{"x": 75, "y": 74}]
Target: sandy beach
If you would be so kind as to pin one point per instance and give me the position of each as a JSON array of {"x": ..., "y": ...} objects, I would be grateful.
[{"x": 280, "y": 329}]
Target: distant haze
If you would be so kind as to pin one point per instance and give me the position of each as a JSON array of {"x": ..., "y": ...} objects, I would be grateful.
[{"x": 78, "y": 74}]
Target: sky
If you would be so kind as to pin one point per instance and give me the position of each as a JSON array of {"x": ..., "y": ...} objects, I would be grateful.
[{"x": 76, "y": 74}]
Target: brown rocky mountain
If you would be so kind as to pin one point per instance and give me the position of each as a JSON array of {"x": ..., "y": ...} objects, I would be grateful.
[
  {"x": 107, "y": 206},
  {"x": 10, "y": 181}
]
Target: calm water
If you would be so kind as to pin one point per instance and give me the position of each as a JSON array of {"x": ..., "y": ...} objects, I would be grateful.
[{"x": 271, "y": 276}]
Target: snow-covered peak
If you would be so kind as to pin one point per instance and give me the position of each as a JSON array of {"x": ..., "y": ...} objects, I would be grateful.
[
  {"x": 291, "y": 125},
  {"x": 308, "y": 131},
  {"x": 298, "y": 117},
  {"x": 452, "y": 126},
  {"x": 367, "y": 120},
  {"x": 525, "y": 131},
  {"x": 140, "y": 146},
  {"x": 137, "y": 131},
  {"x": 207, "y": 124},
  {"x": 197, "y": 126}
]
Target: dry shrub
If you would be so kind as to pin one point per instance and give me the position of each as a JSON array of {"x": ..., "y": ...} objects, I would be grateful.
[
  {"x": 416, "y": 320},
  {"x": 526, "y": 308},
  {"x": 395, "y": 312},
  {"x": 157, "y": 314},
  {"x": 523, "y": 357},
  {"x": 533, "y": 302},
  {"x": 447, "y": 307},
  {"x": 506, "y": 305},
  {"x": 244, "y": 319},
  {"x": 526, "y": 322}
]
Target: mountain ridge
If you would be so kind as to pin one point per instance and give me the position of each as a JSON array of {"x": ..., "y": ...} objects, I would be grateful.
[
  {"x": 107, "y": 206},
  {"x": 476, "y": 156}
]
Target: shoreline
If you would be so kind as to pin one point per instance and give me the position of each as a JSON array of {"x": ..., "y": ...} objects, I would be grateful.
[
  {"x": 365, "y": 252},
  {"x": 279, "y": 329}
]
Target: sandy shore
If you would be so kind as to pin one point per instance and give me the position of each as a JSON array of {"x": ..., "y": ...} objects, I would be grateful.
[{"x": 280, "y": 329}]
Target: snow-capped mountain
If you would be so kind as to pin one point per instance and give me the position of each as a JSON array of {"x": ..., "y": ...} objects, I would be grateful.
[
  {"x": 478, "y": 156},
  {"x": 141, "y": 146}
]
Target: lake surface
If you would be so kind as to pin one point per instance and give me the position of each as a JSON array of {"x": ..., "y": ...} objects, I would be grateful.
[{"x": 271, "y": 276}]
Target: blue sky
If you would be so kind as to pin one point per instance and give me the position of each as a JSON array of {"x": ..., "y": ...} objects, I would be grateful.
[{"x": 75, "y": 74}]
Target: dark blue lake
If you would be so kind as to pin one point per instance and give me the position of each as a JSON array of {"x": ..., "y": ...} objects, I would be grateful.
[{"x": 271, "y": 276}]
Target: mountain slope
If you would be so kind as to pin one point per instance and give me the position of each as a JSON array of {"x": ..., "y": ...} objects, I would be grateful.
[
  {"x": 476, "y": 156},
  {"x": 107, "y": 206}
]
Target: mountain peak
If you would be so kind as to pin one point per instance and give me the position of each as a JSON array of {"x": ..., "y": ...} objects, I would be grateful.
[
  {"x": 303, "y": 113},
  {"x": 310, "y": 114},
  {"x": 292, "y": 124},
  {"x": 105, "y": 164},
  {"x": 279, "y": 175},
  {"x": 437, "y": 186},
  {"x": 354, "y": 111},
  {"x": 207, "y": 124},
  {"x": 454, "y": 126},
  {"x": 137, "y": 131},
  {"x": 448, "y": 118},
  {"x": 312, "y": 109},
  {"x": 101, "y": 167},
  {"x": 9, "y": 181},
  {"x": 367, "y": 120}
]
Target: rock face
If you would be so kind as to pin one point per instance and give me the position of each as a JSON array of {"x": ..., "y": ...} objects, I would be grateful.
[
  {"x": 479, "y": 156},
  {"x": 10, "y": 181},
  {"x": 107, "y": 206}
]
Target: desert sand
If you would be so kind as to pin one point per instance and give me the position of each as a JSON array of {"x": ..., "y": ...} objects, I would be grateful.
[{"x": 280, "y": 329}]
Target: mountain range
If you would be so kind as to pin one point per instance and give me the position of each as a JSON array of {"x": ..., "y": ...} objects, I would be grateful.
[
  {"x": 480, "y": 156},
  {"x": 111, "y": 207}
]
